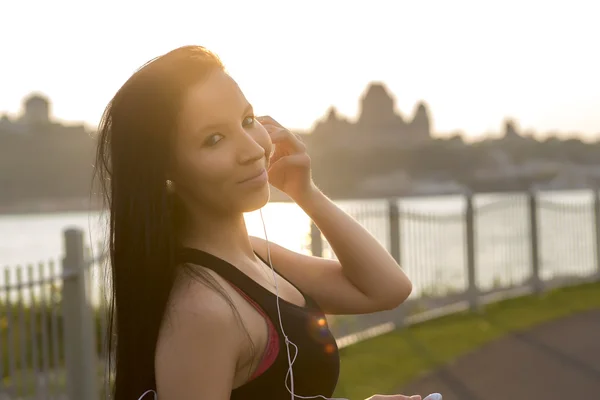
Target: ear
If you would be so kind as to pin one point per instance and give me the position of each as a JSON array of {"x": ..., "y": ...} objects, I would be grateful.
[{"x": 170, "y": 186}]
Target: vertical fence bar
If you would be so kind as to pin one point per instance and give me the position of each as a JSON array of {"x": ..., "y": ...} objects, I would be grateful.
[
  {"x": 44, "y": 376},
  {"x": 80, "y": 353},
  {"x": 395, "y": 250},
  {"x": 10, "y": 333},
  {"x": 420, "y": 255},
  {"x": 472, "y": 289},
  {"x": 427, "y": 258},
  {"x": 575, "y": 210},
  {"x": 316, "y": 240},
  {"x": 54, "y": 325},
  {"x": 536, "y": 281},
  {"x": 408, "y": 250},
  {"x": 394, "y": 218},
  {"x": 430, "y": 257},
  {"x": 22, "y": 331},
  {"x": 33, "y": 317}
]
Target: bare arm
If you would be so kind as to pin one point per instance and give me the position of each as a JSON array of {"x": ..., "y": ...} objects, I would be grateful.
[
  {"x": 364, "y": 261},
  {"x": 199, "y": 349},
  {"x": 365, "y": 279}
]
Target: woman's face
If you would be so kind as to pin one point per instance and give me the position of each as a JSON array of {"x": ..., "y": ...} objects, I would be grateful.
[{"x": 219, "y": 147}]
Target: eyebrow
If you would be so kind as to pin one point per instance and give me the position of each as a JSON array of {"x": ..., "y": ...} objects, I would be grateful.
[{"x": 204, "y": 129}]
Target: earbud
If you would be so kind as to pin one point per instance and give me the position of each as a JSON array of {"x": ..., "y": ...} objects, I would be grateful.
[{"x": 170, "y": 186}]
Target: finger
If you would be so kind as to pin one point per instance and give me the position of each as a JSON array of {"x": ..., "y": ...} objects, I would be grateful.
[
  {"x": 266, "y": 119},
  {"x": 294, "y": 160},
  {"x": 282, "y": 136},
  {"x": 272, "y": 128}
]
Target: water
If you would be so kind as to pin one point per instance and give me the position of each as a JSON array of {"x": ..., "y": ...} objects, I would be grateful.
[
  {"x": 432, "y": 236},
  {"x": 34, "y": 238}
]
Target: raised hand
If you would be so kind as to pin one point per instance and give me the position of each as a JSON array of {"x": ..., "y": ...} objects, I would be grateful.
[{"x": 289, "y": 167}]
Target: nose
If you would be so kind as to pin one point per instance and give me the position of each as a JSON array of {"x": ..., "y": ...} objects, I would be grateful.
[{"x": 249, "y": 150}]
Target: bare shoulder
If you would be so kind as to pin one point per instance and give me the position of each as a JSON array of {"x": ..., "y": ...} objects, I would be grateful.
[
  {"x": 195, "y": 298},
  {"x": 198, "y": 310},
  {"x": 199, "y": 345}
]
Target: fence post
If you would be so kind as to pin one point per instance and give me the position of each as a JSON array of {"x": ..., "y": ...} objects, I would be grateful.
[
  {"x": 79, "y": 337},
  {"x": 316, "y": 241},
  {"x": 396, "y": 251},
  {"x": 394, "y": 218},
  {"x": 597, "y": 225},
  {"x": 536, "y": 281},
  {"x": 472, "y": 290}
]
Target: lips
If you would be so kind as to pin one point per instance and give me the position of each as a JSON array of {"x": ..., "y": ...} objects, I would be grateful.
[{"x": 253, "y": 176}]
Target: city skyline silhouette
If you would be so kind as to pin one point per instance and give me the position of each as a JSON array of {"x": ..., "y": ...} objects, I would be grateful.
[{"x": 381, "y": 153}]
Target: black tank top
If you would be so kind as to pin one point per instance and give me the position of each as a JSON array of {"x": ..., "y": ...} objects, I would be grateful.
[{"x": 316, "y": 368}]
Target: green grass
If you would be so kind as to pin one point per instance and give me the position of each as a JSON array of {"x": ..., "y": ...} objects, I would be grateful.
[{"x": 383, "y": 364}]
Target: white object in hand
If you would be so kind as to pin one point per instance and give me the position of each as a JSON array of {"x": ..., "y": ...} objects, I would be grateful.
[{"x": 433, "y": 396}]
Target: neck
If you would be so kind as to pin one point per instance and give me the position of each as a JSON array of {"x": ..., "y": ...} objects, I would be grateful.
[{"x": 223, "y": 236}]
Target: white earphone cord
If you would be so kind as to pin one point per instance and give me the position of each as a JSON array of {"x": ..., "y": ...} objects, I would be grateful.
[
  {"x": 288, "y": 342},
  {"x": 290, "y": 372}
]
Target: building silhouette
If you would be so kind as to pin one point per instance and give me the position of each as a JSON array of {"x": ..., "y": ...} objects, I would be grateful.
[
  {"x": 43, "y": 161},
  {"x": 377, "y": 126}
]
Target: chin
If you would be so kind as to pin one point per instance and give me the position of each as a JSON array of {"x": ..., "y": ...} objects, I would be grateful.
[{"x": 255, "y": 200}]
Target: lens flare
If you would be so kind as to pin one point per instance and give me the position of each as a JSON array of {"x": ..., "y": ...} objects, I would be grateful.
[{"x": 319, "y": 329}]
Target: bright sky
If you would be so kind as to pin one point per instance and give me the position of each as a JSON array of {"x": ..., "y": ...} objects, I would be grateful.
[{"x": 474, "y": 62}]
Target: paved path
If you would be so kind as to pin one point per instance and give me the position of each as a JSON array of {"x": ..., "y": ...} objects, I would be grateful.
[{"x": 559, "y": 360}]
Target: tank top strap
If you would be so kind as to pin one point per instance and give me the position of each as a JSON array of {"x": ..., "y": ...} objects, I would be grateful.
[
  {"x": 225, "y": 269},
  {"x": 236, "y": 277}
]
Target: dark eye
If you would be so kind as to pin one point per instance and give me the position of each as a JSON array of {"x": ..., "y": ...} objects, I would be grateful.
[
  {"x": 248, "y": 121},
  {"x": 213, "y": 139}
]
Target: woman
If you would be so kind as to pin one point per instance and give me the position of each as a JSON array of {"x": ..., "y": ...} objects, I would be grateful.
[{"x": 181, "y": 157}]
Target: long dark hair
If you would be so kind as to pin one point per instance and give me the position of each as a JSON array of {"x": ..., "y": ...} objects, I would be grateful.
[{"x": 134, "y": 149}]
